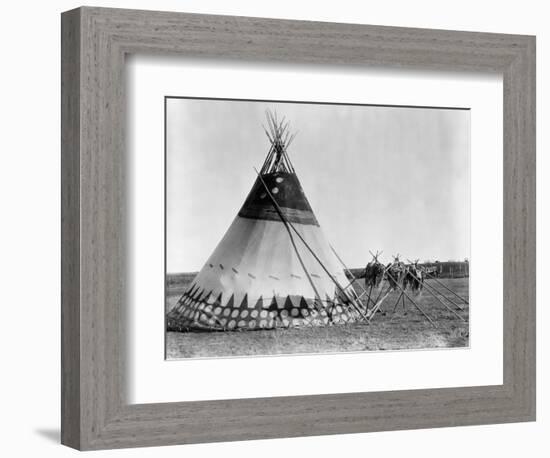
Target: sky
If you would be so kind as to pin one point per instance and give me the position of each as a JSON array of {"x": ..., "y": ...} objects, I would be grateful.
[{"x": 392, "y": 179}]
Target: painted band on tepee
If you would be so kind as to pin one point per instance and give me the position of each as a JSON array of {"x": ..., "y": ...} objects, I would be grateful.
[{"x": 274, "y": 267}]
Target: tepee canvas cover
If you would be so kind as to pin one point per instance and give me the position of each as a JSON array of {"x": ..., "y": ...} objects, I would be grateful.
[{"x": 274, "y": 266}]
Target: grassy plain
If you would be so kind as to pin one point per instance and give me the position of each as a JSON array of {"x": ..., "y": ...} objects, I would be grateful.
[{"x": 395, "y": 327}]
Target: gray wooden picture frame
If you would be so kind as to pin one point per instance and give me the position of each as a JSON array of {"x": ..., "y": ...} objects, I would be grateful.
[{"x": 95, "y": 412}]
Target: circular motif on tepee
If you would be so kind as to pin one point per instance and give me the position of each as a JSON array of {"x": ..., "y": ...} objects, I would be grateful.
[
  {"x": 211, "y": 321},
  {"x": 235, "y": 313},
  {"x": 231, "y": 324},
  {"x": 263, "y": 324},
  {"x": 294, "y": 312},
  {"x": 218, "y": 310},
  {"x": 284, "y": 313},
  {"x": 244, "y": 313},
  {"x": 242, "y": 324},
  {"x": 254, "y": 313},
  {"x": 275, "y": 190},
  {"x": 305, "y": 312},
  {"x": 223, "y": 321},
  {"x": 279, "y": 179},
  {"x": 226, "y": 312},
  {"x": 252, "y": 323},
  {"x": 263, "y": 313}
]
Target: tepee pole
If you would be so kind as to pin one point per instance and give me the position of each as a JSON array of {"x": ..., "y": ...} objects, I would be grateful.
[
  {"x": 414, "y": 303},
  {"x": 344, "y": 266},
  {"x": 354, "y": 279},
  {"x": 448, "y": 289},
  {"x": 280, "y": 212},
  {"x": 395, "y": 306},
  {"x": 447, "y": 298},
  {"x": 381, "y": 288},
  {"x": 379, "y": 293},
  {"x": 388, "y": 290},
  {"x": 294, "y": 246},
  {"x": 379, "y": 303},
  {"x": 459, "y": 307},
  {"x": 374, "y": 260},
  {"x": 438, "y": 299}
]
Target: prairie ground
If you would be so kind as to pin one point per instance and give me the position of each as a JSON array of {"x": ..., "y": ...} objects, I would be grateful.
[{"x": 394, "y": 327}]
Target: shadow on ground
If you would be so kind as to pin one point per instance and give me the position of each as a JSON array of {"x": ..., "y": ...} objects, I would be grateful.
[{"x": 53, "y": 435}]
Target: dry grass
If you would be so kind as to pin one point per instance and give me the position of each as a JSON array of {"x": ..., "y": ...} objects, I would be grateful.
[{"x": 404, "y": 329}]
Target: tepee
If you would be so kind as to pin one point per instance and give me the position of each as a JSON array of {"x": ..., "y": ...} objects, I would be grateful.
[{"x": 273, "y": 267}]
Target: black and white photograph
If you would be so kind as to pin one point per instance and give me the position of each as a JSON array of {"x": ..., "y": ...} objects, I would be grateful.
[
  {"x": 296, "y": 227},
  {"x": 275, "y": 229}
]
